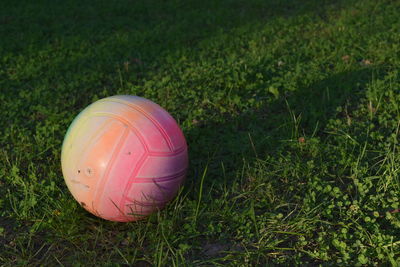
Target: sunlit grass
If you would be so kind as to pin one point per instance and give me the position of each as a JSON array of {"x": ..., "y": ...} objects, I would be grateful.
[{"x": 290, "y": 109}]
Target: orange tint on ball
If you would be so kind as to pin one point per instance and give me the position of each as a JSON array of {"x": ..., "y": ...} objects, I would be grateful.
[{"x": 124, "y": 157}]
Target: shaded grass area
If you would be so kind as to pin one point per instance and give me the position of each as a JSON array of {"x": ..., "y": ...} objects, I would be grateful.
[{"x": 290, "y": 109}]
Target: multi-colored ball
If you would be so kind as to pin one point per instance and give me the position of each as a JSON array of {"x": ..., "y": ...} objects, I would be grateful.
[{"x": 123, "y": 158}]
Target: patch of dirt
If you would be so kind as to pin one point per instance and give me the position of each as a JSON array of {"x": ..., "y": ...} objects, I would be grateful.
[
  {"x": 8, "y": 233},
  {"x": 218, "y": 249}
]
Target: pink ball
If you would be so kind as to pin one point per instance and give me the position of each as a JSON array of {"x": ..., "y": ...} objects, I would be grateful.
[{"x": 123, "y": 158}]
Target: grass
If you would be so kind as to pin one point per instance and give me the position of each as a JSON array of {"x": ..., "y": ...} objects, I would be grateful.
[{"x": 291, "y": 110}]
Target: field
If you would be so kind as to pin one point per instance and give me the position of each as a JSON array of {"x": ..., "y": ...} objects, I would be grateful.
[{"x": 291, "y": 111}]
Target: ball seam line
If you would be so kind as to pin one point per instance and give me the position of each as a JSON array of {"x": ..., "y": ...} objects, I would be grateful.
[
  {"x": 90, "y": 143},
  {"x": 147, "y": 115},
  {"x": 168, "y": 154},
  {"x": 129, "y": 184},
  {"x": 122, "y": 120},
  {"x": 100, "y": 191},
  {"x": 160, "y": 179}
]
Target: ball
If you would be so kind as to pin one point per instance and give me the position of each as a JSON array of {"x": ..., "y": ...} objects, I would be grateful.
[{"x": 123, "y": 158}]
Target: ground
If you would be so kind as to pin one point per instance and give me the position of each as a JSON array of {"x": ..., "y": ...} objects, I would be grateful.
[{"x": 291, "y": 111}]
